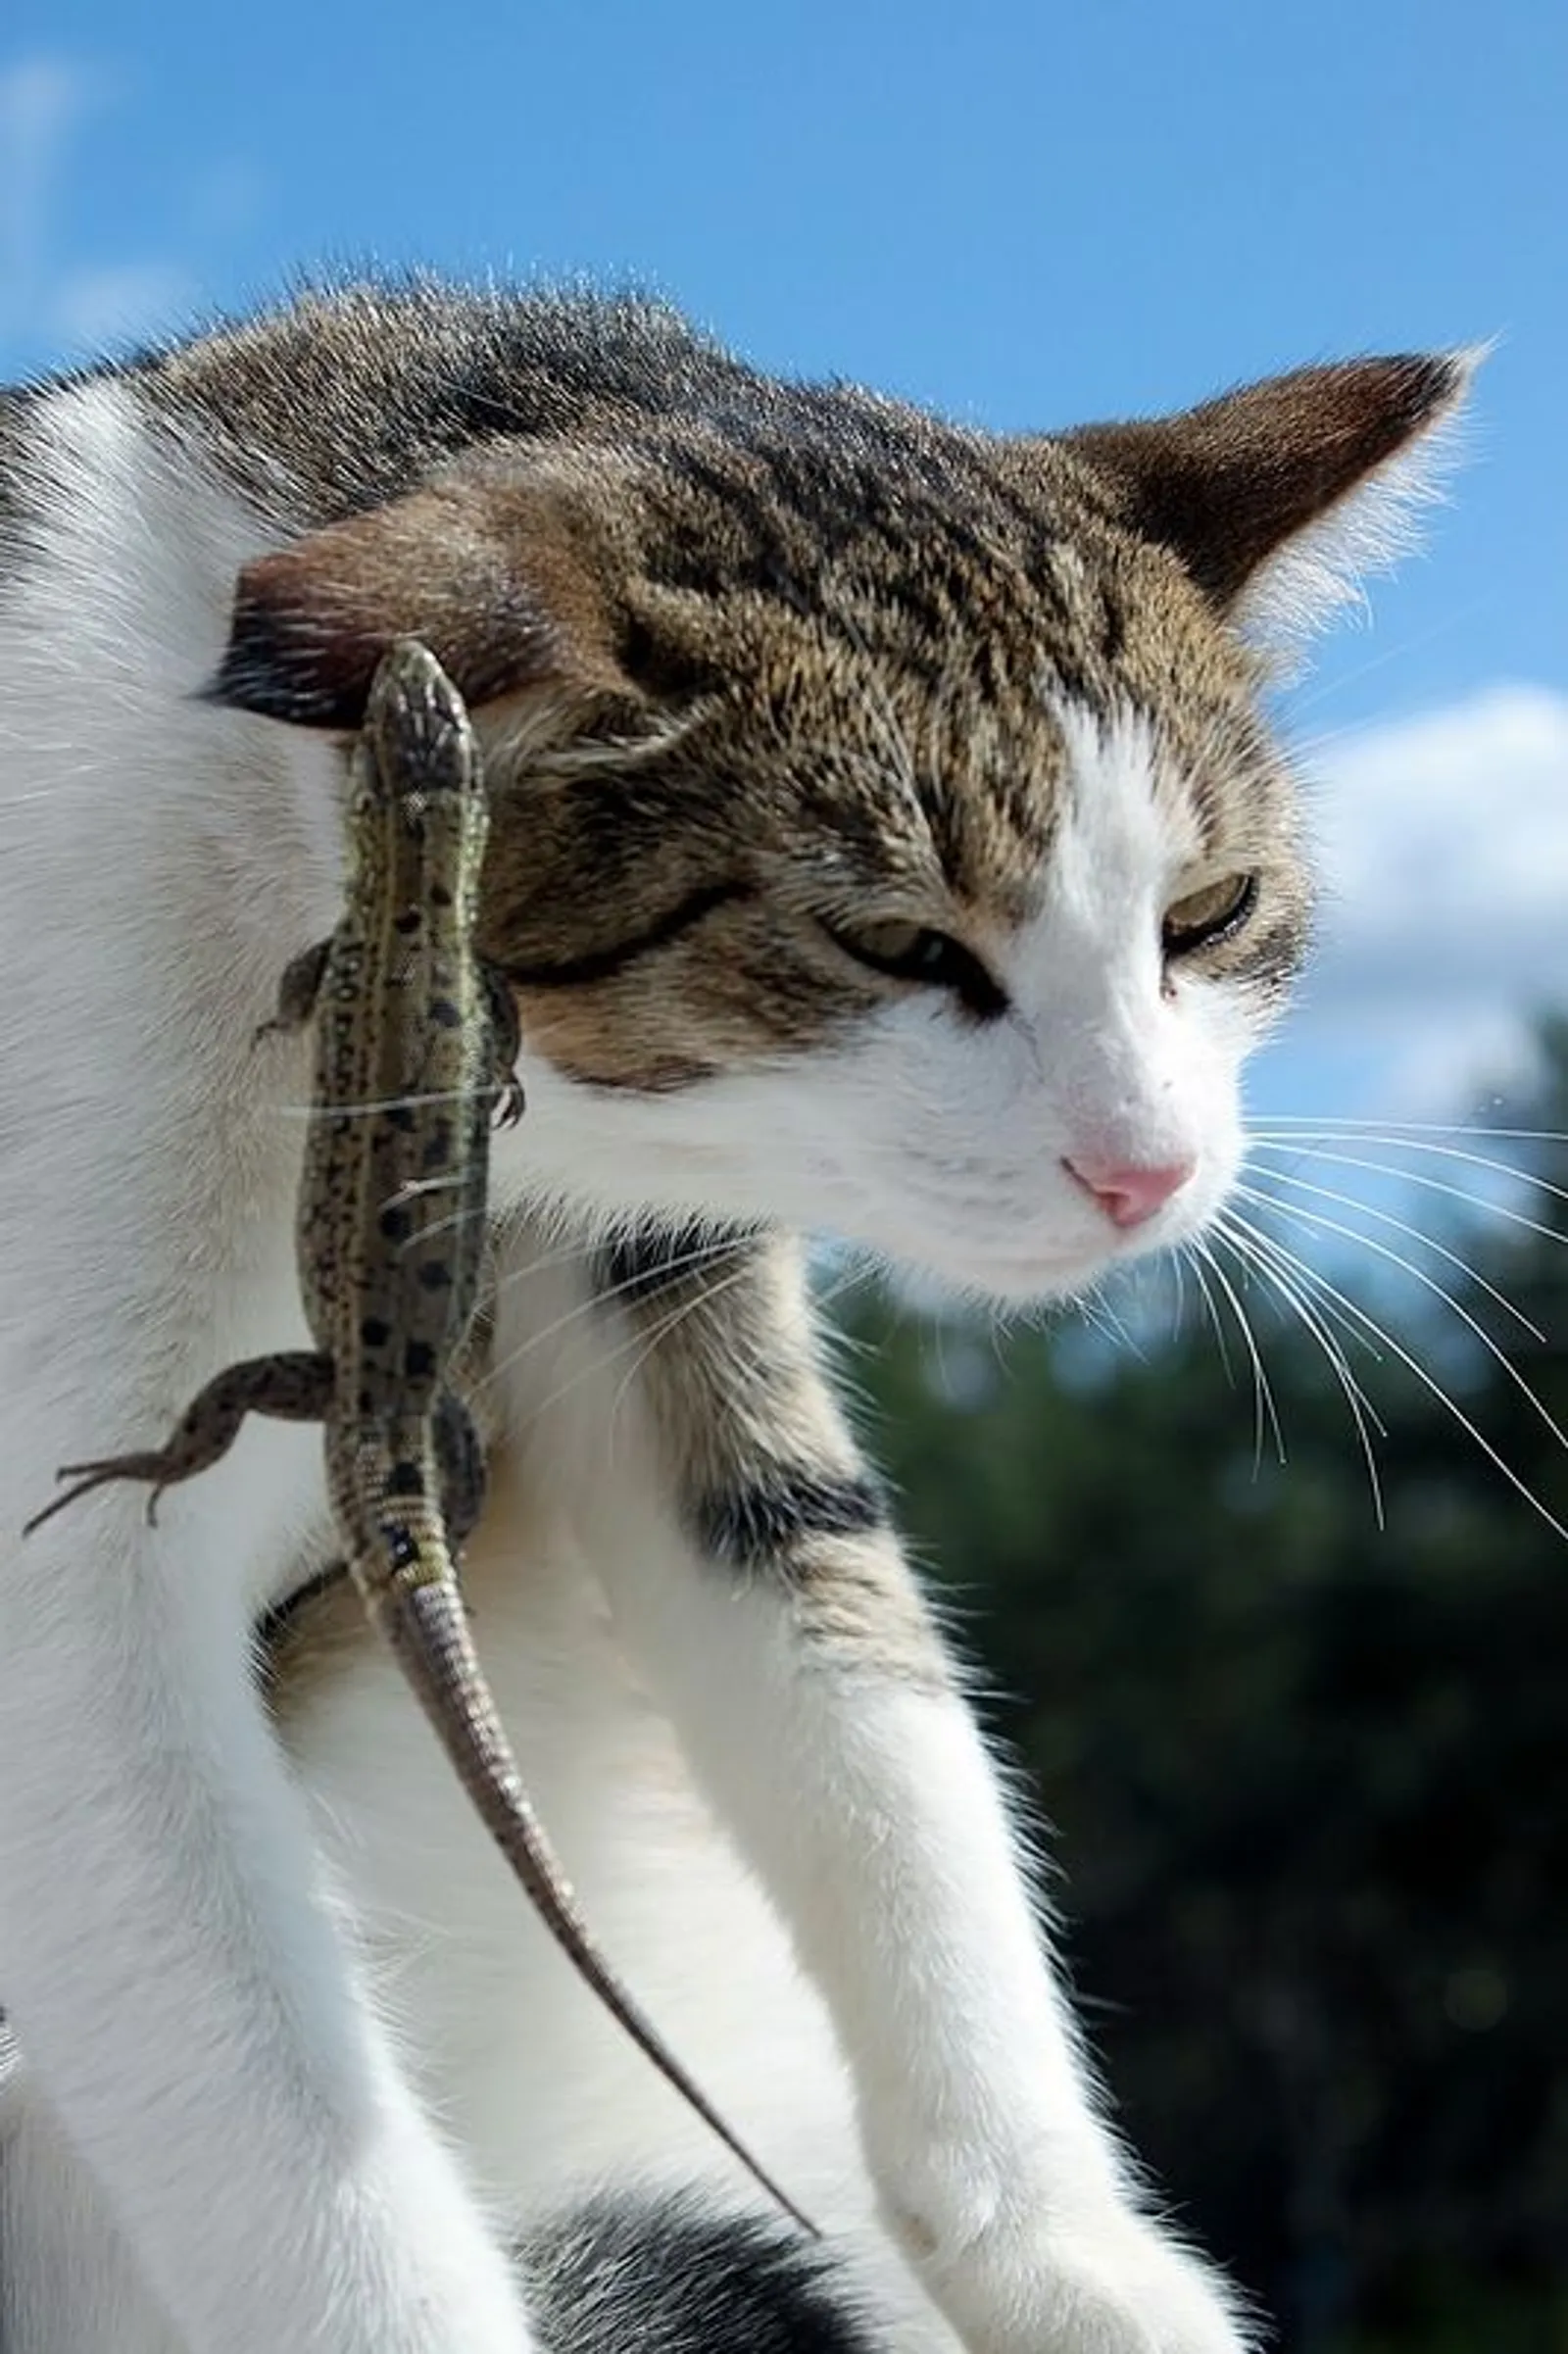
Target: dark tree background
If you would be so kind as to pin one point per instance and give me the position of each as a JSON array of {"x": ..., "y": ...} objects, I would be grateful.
[{"x": 1307, "y": 1778}]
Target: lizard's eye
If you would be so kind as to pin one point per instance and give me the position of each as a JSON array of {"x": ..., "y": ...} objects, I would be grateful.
[{"x": 933, "y": 959}]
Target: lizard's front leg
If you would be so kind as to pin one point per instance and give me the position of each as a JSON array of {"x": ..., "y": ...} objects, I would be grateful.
[
  {"x": 294, "y": 1384},
  {"x": 753, "y": 1566},
  {"x": 298, "y": 991},
  {"x": 505, "y": 1038}
]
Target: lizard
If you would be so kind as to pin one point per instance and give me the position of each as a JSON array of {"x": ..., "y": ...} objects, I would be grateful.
[{"x": 416, "y": 1039}]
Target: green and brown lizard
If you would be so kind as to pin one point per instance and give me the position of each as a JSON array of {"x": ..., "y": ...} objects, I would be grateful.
[{"x": 416, "y": 1040}]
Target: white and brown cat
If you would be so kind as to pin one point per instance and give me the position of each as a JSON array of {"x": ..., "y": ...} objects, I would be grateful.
[{"x": 887, "y": 842}]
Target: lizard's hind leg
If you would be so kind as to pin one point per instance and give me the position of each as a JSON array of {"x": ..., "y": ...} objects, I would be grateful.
[
  {"x": 460, "y": 1455},
  {"x": 294, "y": 1384}
]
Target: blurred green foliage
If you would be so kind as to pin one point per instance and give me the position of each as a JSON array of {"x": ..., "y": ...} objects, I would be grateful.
[{"x": 1307, "y": 1777}]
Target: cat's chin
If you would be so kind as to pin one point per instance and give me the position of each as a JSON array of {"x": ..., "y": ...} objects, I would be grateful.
[
  {"x": 964, "y": 1271},
  {"x": 1018, "y": 1272},
  {"x": 1010, "y": 1279},
  {"x": 1050, "y": 1254}
]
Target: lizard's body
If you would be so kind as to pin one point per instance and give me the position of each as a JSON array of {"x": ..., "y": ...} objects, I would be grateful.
[{"x": 415, "y": 1038}]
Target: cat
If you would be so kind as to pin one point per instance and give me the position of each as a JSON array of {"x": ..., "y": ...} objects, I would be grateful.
[{"x": 889, "y": 842}]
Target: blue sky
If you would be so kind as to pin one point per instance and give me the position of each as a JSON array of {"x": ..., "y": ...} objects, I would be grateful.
[{"x": 1023, "y": 214}]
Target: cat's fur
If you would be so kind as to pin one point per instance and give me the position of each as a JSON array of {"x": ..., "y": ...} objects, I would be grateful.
[{"x": 763, "y": 671}]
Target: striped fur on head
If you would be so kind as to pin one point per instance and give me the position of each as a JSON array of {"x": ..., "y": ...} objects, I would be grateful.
[{"x": 805, "y": 710}]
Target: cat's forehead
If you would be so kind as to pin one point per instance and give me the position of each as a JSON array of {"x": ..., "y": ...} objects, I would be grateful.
[{"x": 928, "y": 682}]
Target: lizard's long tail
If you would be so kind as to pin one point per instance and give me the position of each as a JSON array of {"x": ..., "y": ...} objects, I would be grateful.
[{"x": 429, "y": 1630}]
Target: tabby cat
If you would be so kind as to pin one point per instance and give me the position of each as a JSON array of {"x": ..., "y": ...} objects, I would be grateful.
[{"x": 888, "y": 842}]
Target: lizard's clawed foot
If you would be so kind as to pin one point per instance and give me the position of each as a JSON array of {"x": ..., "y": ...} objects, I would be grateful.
[{"x": 88, "y": 1476}]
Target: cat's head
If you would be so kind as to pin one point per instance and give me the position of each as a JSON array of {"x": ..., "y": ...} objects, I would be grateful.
[{"x": 887, "y": 838}]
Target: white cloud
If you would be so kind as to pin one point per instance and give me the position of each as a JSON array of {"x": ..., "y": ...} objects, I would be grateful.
[{"x": 1445, "y": 841}]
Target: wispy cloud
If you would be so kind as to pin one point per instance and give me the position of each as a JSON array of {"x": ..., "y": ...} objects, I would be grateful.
[
  {"x": 115, "y": 303},
  {"x": 1445, "y": 845},
  {"x": 41, "y": 101},
  {"x": 56, "y": 299}
]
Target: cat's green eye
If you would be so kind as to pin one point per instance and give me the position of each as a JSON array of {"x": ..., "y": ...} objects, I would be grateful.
[
  {"x": 1205, "y": 917},
  {"x": 914, "y": 952}
]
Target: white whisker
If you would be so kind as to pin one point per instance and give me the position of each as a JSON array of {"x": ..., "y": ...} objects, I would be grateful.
[
  {"x": 1309, "y": 1220},
  {"x": 373, "y": 1105},
  {"x": 1418, "y": 1178},
  {"x": 594, "y": 1300},
  {"x": 1194, "y": 1257},
  {"x": 660, "y": 1333},
  {"x": 1306, "y": 699},
  {"x": 1412, "y": 1365},
  {"x": 1286, "y": 1262},
  {"x": 1263, "y": 1393},
  {"x": 1398, "y": 1131},
  {"x": 424, "y": 1234},
  {"x": 1385, "y": 1217},
  {"x": 1277, "y": 1267},
  {"x": 413, "y": 1188}
]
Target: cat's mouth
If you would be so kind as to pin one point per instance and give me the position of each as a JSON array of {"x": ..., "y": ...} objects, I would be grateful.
[{"x": 1022, "y": 1270}]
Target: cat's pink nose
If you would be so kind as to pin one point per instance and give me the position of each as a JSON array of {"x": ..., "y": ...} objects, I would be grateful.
[{"x": 1129, "y": 1192}]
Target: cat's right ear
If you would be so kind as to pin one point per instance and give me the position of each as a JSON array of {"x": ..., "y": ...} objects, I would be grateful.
[
  {"x": 492, "y": 578},
  {"x": 1277, "y": 496}
]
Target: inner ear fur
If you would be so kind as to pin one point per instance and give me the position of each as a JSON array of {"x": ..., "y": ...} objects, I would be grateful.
[
  {"x": 1227, "y": 486},
  {"x": 502, "y": 583}
]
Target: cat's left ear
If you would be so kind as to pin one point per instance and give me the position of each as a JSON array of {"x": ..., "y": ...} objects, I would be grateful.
[
  {"x": 1277, "y": 496},
  {"x": 497, "y": 575}
]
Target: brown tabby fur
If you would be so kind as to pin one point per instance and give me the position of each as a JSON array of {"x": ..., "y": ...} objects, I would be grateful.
[{"x": 754, "y": 652}]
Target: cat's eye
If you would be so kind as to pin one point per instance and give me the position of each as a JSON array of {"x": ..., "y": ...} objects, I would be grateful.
[
  {"x": 912, "y": 951},
  {"x": 1205, "y": 917}
]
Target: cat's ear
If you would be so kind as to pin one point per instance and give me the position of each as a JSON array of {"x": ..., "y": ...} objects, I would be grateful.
[
  {"x": 1277, "y": 496},
  {"x": 490, "y": 576}
]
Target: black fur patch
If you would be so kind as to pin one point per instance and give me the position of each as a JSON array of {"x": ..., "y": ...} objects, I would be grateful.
[
  {"x": 649, "y": 1259},
  {"x": 670, "y": 2277},
  {"x": 755, "y": 1526},
  {"x": 274, "y": 1623}
]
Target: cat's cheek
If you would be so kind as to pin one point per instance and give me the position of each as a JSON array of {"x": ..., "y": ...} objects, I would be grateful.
[{"x": 969, "y": 1150}]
